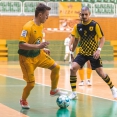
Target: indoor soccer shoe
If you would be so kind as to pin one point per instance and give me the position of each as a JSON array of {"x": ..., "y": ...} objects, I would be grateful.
[
  {"x": 81, "y": 83},
  {"x": 73, "y": 96},
  {"x": 89, "y": 83},
  {"x": 114, "y": 92},
  {"x": 58, "y": 93},
  {"x": 24, "y": 104}
]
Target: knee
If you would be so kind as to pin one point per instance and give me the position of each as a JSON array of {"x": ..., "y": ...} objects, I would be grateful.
[
  {"x": 31, "y": 85},
  {"x": 73, "y": 70},
  {"x": 56, "y": 68}
]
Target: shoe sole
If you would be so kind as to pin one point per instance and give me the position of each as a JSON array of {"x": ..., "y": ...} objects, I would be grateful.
[
  {"x": 89, "y": 85},
  {"x": 25, "y": 107}
]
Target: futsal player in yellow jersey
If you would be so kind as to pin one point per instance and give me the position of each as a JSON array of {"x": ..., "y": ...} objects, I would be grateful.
[
  {"x": 32, "y": 54},
  {"x": 88, "y": 32}
]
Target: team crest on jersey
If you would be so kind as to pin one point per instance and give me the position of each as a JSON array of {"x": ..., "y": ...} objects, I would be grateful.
[
  {"x": 91, "y": 28},
  {"x": 24, "y": 33},
  {"x": 38, "y": 40}
]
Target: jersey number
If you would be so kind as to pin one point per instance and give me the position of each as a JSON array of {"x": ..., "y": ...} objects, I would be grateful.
[{"x": 85, "y": 33}]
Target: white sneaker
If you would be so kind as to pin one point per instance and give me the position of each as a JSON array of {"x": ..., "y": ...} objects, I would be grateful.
[
  {"x": 73, "y": 96},
  {"x": 58, "y": 92},
  {"x": 114, "y": 92},
  {"x": 89, "y": 83},
  {"x": 81, "y": 83}
]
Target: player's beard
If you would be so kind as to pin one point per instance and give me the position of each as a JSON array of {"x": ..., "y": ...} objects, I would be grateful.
[{"x": 86, "y": 20}]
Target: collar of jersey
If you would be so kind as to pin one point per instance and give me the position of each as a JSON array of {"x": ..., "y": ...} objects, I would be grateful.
[{"x": 87, "y": 22}]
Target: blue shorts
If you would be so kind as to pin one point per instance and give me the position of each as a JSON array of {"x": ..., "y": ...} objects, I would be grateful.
[{"x": 81, "y": 60}]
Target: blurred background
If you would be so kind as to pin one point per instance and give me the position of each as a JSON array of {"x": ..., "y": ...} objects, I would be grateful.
[{"x": 63, "y": 16}]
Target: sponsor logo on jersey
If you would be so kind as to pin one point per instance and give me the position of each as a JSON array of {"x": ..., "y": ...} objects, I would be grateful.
[
  {"x": 80, "y": 29},
  {"x": 24, "y": 33}
]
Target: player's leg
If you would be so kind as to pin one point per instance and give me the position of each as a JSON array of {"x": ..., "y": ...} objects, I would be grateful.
[
  {"x": 97, "y": 65},
  {"x": 66, "y": 55},
  {"x": 89, "y": 71},
  {"x": 81, "y": 75},
  {"x": 26, "y": 92},
  {"x": 107, "y": 79},
  {"x": 80, "y": 71},
  {"x": 78, "y": 63},
  {"x": 73, "y": 79},
  {"x": 55, "y": 68},
  {"x": 28, "y": 76},
  {"x": 70, "y": 57},
  {"x": 47, "y": 62}
]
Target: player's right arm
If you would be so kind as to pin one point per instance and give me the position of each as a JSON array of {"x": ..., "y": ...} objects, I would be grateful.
[
  {"x": 26, "y": 46},
  {"x": 25, "y": 38},
  {"x": 74, "y": 39}
]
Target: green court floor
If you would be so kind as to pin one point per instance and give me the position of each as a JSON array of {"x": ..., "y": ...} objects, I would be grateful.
[{"x": 42, "y": 105}]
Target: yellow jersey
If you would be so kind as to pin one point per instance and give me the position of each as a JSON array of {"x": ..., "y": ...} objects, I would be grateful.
[{"x": 31, "y": 34}]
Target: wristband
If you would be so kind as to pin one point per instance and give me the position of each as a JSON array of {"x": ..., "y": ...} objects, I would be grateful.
[
  {"x": 71, "y": 52},
  {"x": 99, "y": 49}
]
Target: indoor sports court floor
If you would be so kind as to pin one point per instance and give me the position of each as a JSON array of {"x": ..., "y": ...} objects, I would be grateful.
[{"x": 93, "y": 101}]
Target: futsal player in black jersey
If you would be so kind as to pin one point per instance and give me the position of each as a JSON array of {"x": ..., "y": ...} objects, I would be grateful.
[{"x": 91, "y": 42}]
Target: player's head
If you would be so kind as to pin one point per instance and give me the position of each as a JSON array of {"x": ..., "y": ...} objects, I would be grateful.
[
  {"x": 42, "y": 12},
  {"x": 85, "y": 13}
]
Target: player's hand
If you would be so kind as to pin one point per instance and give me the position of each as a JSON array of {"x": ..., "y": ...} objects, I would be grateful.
[
  {"x": 43, "y": 45},
  {"x": 47, "y": 51},
  {"x": 96, "y": 54},
  {"x": 72, "y": 57}
]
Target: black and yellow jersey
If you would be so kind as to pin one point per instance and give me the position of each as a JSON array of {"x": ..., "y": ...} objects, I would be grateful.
[
  {"x": 31, "y": 34},
  {"x": 88, "y": 34}
]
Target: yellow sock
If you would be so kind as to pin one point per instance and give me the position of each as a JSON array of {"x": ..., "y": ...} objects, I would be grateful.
[
  {"x": 89, "y": 71},
  {"x": 81, "y": 74},
  {"x": 27, "y": 90},
  {"x": 73, "y": 80},
  {"x": 55, "y": 77}
]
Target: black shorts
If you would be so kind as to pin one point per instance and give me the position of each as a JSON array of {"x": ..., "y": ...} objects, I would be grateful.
[{"x": 81, "y": 60}]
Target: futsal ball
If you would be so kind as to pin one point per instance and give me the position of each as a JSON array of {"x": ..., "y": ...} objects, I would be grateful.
[{"x": 63, "y": 101}]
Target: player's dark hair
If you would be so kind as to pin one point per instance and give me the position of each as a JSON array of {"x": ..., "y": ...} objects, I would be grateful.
[{"x": 41, "y": 8}]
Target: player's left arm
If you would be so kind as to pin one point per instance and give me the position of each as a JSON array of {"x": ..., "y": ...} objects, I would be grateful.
[
  {"x": 75, "y": 44},
  {"x": 101, "y": 42},
  {"x": 100, "y": 36}
]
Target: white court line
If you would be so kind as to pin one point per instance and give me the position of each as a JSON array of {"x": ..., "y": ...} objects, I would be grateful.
[{"x": 59, "y": 88}]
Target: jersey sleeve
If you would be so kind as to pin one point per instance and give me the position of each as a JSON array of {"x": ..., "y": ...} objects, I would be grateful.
[
  {"x": 75, "y": 32},
  {"x": 99, "y": 31},
  {"x": 25, "y": 35}
]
